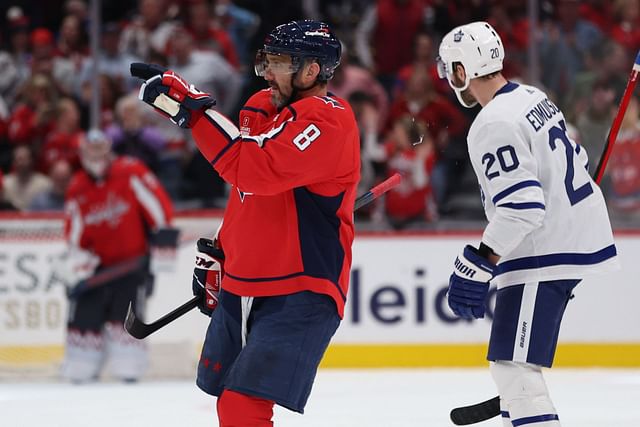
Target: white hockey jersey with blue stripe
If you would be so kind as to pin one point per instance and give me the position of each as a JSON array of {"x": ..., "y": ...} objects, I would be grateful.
[{"x": 547, "y": 217}]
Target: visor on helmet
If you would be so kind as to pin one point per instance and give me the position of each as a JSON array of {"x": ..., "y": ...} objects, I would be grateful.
[
  {"x": 275, "y": 63},
  {"x": 442, "y": 68}
]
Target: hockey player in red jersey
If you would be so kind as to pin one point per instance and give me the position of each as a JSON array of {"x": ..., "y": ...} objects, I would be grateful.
[
  {"x": 114, "y": 207},
  {"x": 293, "y": 164}
]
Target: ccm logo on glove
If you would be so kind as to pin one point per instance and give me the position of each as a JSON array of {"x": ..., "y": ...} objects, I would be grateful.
[{"x": 207, "y": 275}]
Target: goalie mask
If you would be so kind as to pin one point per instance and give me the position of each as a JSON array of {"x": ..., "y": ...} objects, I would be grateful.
[
  {"x": 95, "y": 153},
  {"x": 478, "y": 47}
]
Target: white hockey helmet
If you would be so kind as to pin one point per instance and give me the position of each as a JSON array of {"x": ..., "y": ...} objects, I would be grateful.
[{"x": 477, "y": 46}]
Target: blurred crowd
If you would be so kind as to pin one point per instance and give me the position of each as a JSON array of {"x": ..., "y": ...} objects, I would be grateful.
[{"x": 409, "y": 119}]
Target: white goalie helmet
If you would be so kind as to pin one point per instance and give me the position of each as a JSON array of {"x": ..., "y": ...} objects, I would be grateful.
[{"x": 477, "y": 46}]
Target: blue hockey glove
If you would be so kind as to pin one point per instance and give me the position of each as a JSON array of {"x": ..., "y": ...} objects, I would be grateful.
[
  {"x": 207, "y": 275},
  {"x": 469, "y": 284},
  {"x": 170, "y": 94}
]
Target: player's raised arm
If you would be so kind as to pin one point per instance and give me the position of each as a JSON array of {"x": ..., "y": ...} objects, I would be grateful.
[{"x": 311, "y": 143}]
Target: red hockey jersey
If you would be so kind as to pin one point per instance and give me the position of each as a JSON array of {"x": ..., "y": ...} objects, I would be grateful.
[
  {"x": 288, "y": 225},
  {"x": 112, "y": 218}
]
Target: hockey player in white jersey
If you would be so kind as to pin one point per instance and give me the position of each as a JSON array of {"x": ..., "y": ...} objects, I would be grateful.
[{"x": 548, "y": 223}]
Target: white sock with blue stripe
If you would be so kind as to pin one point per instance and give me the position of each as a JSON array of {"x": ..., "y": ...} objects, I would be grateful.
[{"x": 524, "y": 395}]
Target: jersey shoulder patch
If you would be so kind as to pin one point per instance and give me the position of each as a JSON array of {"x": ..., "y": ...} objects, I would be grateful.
[{"x": 330, "y": 101}]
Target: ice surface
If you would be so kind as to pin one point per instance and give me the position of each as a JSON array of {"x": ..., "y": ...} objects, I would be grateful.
[{"x": 372, "y": 398}]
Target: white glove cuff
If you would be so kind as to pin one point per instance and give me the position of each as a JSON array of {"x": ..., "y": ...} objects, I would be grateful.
[{"x": 468, "y": 270}]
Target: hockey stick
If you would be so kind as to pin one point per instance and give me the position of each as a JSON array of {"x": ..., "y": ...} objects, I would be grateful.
[
  {"x": 138, "y": 329},
  {"x": 617, "y": 121},
  {"x": 486, "y": 410},
  {"x": 108, "y": 275}
]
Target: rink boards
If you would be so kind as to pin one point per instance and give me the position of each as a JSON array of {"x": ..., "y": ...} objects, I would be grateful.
[{"x": 396, "y": 314}]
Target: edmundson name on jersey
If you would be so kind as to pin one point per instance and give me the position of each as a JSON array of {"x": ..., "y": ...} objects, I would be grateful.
[{"x": 541, "y": 114}]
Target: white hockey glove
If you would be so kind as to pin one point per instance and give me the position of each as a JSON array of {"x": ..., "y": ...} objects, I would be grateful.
[
  {"x": 75, "y": 265},
  {"x": 170, "y": 94}
]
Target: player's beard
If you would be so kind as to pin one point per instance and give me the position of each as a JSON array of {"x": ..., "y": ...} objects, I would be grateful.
[
  {"x": 467, "y": 97},
  {"x": 278, "y": 98}
]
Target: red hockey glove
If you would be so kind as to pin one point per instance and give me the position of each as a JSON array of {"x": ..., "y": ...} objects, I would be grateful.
[
  {"x": 207, "y": 275},
  {"x": 170, "y": 94}
]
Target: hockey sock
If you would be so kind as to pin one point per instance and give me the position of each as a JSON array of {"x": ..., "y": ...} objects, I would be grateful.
[
  {"x": 504, "y": 414},
  {"x": 524, "y": 394},
  {"x": 240, "y": 410}
]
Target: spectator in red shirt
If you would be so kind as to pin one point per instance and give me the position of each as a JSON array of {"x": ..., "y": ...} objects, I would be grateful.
[
  {"x": 624, "y": 166},
  {"x": 385, "y": 31},
  {"x": 597, "y": 12},
  {"x": 33, "y": 117},
  {"x": 510, "y": 20},
  {"x": 423, "y": 58},
  {"x": 626, "y": 29},
  {"x": 421, "y": 101},
  {"x": 64, "y": 140},
  {"x": 209, "y": 36},
  {"x": 411, "y": 201}
]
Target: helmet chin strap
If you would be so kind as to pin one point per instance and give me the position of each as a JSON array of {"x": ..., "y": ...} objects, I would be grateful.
[
  {"x": 459, "y": 90},
  {"x": 461, "y": 99}
]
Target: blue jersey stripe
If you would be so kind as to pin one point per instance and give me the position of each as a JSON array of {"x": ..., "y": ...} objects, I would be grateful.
[
  {"x": 524, "y": 184},
  {"x": 551, "y": 260},
  {"x": 224, "y": 150},
  {"x": 505, "y": 414},
  {"x": 319, "y": 233},
  {"x": 508, "y": 87},
  {"x": 535, "y": 419},
  {"x": 255, "y": 110},
  {"x": 293, "y": 111},
  {"x": 263, "y": 279},
  {"x": 285, "y": 277},
  {"x": 531, "y": 205}
]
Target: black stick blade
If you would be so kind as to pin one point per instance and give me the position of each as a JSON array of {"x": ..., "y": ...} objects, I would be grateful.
[
  {"x": 479, "y": 412},
  {"x": 138, "y": 329},
  {"x": 134, "y": 326}
]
